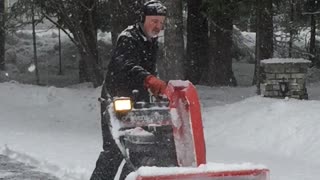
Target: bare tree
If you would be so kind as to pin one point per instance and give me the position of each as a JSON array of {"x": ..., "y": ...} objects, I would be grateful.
[{"x": 78, "y": 17}]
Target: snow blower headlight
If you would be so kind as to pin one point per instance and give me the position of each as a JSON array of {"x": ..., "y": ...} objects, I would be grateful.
[{"x": 123, "y": 104}]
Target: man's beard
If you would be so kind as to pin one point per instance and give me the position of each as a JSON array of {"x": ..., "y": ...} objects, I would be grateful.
[{"x": 154, "y": 33}]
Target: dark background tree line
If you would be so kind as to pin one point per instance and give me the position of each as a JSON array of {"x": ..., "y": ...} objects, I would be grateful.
[{"x": 199, "y": 37}]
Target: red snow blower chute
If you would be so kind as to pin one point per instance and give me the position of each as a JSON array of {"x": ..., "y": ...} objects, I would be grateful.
[{"x": 164, "y": 140}]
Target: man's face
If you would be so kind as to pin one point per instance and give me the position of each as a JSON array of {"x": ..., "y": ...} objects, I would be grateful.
[{"x": 153, "y": 25}]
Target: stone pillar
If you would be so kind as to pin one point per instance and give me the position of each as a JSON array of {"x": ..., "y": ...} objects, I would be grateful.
[{"x": 284, "y": 78}]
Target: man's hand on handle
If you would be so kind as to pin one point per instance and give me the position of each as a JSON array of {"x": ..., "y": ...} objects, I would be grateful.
[{"x": 155, "y": 85}]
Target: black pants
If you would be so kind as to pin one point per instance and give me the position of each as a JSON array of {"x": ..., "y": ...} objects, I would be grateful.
[{"x": 110, "y": 158}]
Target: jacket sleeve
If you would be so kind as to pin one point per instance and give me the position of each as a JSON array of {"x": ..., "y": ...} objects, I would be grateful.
[{"x": 127, "y": 60}]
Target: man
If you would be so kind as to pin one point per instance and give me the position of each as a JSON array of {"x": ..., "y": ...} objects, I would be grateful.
[{"x": 132, "y": 67}]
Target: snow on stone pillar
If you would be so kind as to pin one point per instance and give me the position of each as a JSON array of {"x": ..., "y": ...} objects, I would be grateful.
[{"x": 282, "y": 77}]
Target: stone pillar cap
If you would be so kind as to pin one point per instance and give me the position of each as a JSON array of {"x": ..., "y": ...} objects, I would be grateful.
[{"x": 285, "y": 60}]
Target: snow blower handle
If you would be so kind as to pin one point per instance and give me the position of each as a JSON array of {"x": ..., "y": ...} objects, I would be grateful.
[
  {"x": 103, "y": 101},
  {"x": 154, "y": 85}
]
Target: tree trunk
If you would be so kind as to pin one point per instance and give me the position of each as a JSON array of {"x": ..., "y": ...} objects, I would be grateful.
[
  {"x": 60, "y": 55},
  {"x": 266, "y": 28},
  {"x": 251, "y": 23},
  {"x": 35, "y": 47},
  {"x": 313, "y": 39},
  {"x": 220, "y": 66},
  {"x": 116, "y": 21},
  {"x": 209, "y": 75},
  {"x": 312, "y": 7},
  {"x": 173, "y": 42},
  {"x": 223, "y": 55},
  {"x": 80, "y": 18},
  {"x": 257, "y": 73},
  {"x": 291, "y": 27},
  {"x": 83, "y": 74},
  {"x": 2, "y": 34},
  {"x": 197, "y": 42},
  {"x": 264, "y": 37},
  {"x": 94, "y": 71},
  {"x": 89, "y": 65}
]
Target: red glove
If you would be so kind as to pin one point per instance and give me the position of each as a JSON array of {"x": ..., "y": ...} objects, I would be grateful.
[{"x": 155, "y": 85}]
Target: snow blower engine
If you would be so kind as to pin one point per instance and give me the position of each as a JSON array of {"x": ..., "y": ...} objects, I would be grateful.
[{"x": 164, "y": 139}]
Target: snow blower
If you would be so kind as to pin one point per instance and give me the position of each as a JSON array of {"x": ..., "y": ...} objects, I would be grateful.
[{"x": 164, "y": 139}]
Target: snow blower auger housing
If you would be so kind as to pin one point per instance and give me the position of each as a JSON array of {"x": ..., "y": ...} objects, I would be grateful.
[{"x": 164, "y": 140}]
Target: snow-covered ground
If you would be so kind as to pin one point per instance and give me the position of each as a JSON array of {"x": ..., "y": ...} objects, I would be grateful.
[{"x": 58, "y": 130}]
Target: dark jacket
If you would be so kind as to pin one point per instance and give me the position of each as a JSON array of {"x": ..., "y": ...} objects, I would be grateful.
[{"x": 133, "y": 59}]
